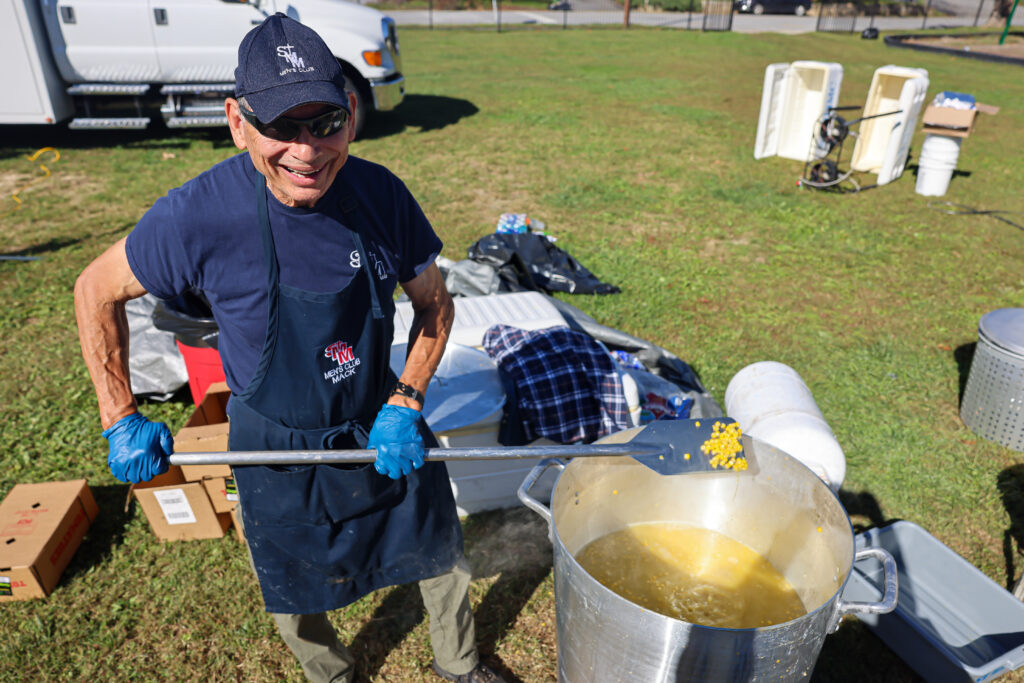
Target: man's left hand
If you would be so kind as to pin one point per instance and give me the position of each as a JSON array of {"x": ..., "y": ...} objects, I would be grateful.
[{"x": 397, "y": 440}]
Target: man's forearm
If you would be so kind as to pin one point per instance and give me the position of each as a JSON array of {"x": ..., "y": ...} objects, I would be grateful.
[
  {"x": 100, "y": 294},
  {"x": 434, "y": 313}
]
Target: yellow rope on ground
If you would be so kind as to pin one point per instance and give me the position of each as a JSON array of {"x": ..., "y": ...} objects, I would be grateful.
[{"x": 46, "y": 171}]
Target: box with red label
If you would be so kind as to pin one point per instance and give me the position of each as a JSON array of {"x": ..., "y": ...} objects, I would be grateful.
[{"x": 41, "y": 527}]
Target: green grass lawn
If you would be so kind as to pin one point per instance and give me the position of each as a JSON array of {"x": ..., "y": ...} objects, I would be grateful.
[{"x": 635, "y": 147}]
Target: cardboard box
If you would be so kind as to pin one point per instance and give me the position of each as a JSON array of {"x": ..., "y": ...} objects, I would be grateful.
[
  {"x": 206, "y": 431},
  {"x": 222, "y": 492},
  {"x": 236, "y": 521},
  {"x": 956, "y": 123},
  {"x": 41, "y": 527},
  {"x": 178, "y": 510}
]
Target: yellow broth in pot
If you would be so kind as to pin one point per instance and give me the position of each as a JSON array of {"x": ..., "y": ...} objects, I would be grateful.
[{"x": 693, "y": 574}]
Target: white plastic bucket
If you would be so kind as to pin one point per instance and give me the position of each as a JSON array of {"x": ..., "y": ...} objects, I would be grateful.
[
  {"x": 771, "y": 402},
  {"x": 939, "y": 155}
]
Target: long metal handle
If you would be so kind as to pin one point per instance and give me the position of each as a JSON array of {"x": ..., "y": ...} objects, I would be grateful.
[
  {"x": 632, "y": 449},
  {"x": 890, "y": 579}
]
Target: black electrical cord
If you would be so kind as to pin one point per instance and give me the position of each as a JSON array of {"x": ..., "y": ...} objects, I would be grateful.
[{"x": 963, "y": 210}]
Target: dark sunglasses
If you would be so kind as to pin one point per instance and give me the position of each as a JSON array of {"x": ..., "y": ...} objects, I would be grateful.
[{"x": 286, "y": 128}]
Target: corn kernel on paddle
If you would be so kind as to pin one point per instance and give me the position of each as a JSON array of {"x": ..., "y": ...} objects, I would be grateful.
[{"x": 666, "y": 446}]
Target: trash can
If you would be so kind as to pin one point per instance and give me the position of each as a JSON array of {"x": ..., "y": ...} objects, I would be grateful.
[
  {"x": 196, "y": 333},
  {"x": 993, "y": 403}
]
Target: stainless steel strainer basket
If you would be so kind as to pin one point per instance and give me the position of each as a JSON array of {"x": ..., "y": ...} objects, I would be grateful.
[{"x": 993, "y": 403}]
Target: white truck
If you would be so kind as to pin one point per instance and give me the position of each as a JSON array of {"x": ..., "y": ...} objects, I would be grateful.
[{"x": 112, "y": 63}]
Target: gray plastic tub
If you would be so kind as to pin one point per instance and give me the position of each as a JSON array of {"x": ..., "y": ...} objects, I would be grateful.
[{"x": 951, "y": 623}]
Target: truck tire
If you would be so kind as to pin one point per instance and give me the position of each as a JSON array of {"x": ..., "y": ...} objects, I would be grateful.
[
  {"x": 360, "y": 113},
  {"x": 758, "y": 9}
]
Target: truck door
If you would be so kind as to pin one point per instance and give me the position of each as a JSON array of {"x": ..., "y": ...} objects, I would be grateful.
[
  {"x": 197, "y": 40},
  {"x": 103, "y": 40}
]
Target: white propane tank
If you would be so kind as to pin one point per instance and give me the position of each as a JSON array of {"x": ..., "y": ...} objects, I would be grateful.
[{"x": 770, "y": 401}]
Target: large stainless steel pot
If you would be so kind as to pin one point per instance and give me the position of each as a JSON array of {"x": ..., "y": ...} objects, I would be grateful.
[{"x": 778, "y": 507}]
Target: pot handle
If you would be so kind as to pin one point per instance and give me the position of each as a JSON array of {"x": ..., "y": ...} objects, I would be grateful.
[
  {"x": 531, "y": 479},
  {"x": 889, "y": 579}
]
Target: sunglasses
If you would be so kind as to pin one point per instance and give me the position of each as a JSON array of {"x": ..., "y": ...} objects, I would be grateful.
[{"x": 286, "y": 128}]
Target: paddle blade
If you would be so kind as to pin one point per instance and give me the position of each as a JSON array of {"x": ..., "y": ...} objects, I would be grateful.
[{"x": 697, "y": 445}]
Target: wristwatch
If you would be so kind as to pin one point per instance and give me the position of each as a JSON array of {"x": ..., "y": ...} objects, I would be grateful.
[{"x": 403, "y": 389}]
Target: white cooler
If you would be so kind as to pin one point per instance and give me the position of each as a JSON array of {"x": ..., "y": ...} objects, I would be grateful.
[
  {"x": 794, "y": 98},
  {"x": 884, "y": 143}
]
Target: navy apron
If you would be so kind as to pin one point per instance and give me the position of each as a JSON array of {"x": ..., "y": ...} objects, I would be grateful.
[{"x": 323, "y": 536}]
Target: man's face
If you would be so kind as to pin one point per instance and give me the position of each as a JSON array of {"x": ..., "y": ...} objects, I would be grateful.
[{"x": 301, "y": 171}]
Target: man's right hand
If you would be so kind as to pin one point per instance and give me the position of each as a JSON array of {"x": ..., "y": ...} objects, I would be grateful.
[{"x": 139, "y": 449}]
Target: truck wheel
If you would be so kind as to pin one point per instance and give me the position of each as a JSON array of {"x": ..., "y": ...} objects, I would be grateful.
[
  {"x": 758, "y": 8},
  {"x": 360, "y": 112},
  {"x": 800, "y": 10}
]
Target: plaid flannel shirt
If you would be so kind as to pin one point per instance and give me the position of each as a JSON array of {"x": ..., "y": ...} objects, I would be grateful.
[{"x": 568, "y": 387}]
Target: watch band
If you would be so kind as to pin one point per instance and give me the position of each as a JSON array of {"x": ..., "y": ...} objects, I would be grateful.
[{"x": 403, "y": 389}]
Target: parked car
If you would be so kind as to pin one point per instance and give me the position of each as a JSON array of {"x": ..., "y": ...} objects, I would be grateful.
[{"x": 797, "y": 7}]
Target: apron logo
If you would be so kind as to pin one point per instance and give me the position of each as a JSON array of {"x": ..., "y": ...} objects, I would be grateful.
[{"x": 342, "y": 354}]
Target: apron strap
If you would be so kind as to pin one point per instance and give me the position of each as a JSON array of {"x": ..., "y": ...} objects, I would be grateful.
[
  {"x": 350, "y": 205},
  {"x": 269, "y": 253},
  {"x": 378, "y": 313}
]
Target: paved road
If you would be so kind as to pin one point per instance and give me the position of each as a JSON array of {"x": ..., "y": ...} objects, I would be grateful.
[{"x": 742, "y": 23}]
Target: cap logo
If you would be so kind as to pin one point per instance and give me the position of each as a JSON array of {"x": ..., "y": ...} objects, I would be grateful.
[{"x": 287, "y": 53}]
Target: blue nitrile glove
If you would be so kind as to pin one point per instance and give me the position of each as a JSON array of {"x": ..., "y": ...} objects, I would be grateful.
[
  {"x": 139, "y": 449},
  {"x": 398, "y": 442}
]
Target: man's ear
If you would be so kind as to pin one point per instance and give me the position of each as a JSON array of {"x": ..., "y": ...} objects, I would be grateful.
[
  {"x": 235, "y": 122},
  {"x": 352, "y": 118}
]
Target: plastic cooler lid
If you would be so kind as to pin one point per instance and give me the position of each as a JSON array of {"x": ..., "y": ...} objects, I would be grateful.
[
  {"x": 465, "y": 389},
  {"x": 1004, "y": 327}
]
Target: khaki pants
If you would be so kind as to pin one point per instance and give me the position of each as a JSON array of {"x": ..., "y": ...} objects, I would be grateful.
[{"x": 325, "y": 659}]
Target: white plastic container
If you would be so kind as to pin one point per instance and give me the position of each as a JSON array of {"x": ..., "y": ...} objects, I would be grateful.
[
  {"x": 771, "y": 402},
  {"x": 794, "y": 98},
  {"x": 883, "y": 143},
  {"x": 475, "y": 314},
  {"x": 939, "y": 155},
  {"x": 463, "y": 406}
]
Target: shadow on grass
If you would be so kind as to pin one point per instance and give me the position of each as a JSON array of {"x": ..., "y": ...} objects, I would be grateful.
[
  {"x": 511, "y": 544},
  {"x": 105, "y": 533},
  {"x": 963, "y": 355},
  {"x": 1010, "y": 484},
  {"x": 863, "y": 504},
  {"x": 426, "y": 112},
  {"x": 400, "y": 612}
]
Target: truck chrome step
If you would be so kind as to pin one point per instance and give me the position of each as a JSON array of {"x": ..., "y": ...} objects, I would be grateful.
[
  {"x": 196, "y": 121},
  {"x": 109, "y": 89},
  {"x": 94, "y": 123},
  {"x": 197, "y": 88},
  {"x": 212, "y": 109}
]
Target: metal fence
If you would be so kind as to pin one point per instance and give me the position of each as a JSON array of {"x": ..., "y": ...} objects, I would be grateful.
[
  {"x": 846, "y": 17},
  {"x": 702, "y": 15}
]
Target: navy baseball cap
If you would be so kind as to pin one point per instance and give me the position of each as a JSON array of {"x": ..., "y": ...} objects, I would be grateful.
[{"x": 283, "y": 64}]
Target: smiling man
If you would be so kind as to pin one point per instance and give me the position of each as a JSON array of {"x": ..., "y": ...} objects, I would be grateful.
[{"x": 298, "y": 247}]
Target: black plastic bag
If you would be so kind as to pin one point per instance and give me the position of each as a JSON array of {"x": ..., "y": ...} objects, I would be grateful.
[
  {"x": 528, "y": 261},
  {"x": 189, "y": 317}
]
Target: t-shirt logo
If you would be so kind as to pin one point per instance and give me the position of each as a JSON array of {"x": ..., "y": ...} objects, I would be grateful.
[{"x": 345, "y": 357}]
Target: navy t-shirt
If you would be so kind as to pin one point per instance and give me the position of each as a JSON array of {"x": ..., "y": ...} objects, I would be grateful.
[{"x": 205, "y": 236}]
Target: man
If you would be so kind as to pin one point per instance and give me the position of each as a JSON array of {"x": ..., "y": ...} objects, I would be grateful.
[{"x": 298, "y": 248}]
